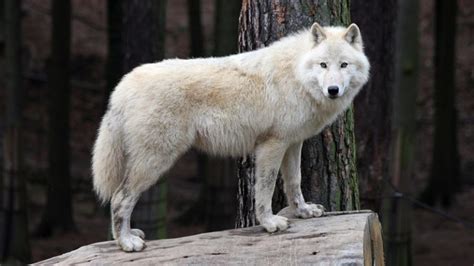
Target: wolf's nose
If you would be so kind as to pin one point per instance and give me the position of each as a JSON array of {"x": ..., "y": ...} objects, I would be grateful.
[{"x": 333, "y": 90}]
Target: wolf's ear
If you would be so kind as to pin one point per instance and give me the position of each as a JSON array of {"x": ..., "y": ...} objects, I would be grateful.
[
  {"x": 353, "y": 36},
  {"x": 318, "y": 33}
]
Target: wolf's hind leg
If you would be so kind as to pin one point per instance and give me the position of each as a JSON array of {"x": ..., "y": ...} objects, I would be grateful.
[
  {"x": 267, "y": 163},
  {"x": 123, "y": 201},
  {"x": 144, "y": 171},
  {"x": 291, "y": 174}
]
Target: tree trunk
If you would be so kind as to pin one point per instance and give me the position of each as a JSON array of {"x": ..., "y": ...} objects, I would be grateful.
[
  {"x": 114, "y": 44},
  {"x": 373, "y": 106},
  {"x": 58, "y": 211},
  {"x": 2, "y": 30},
  {"x": 444, "y": 178},
  {"x": 397, "y": 212},
  {"x": 2, "y": 74},
  {"x": 145, "y": 44},
  {"x": 226, "y": 30},
  {"x": 329, "y": 175},
  {"x": 195, "y": 28},
  {"x": 14, "y": 245},
  {"x": 219, "y": 173}
]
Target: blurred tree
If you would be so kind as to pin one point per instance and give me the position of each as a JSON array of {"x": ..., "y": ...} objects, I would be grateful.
[
  {"x": 373, "y": 106},
  {"x": 114, "y": 65},
  {"x": 217, "y": 174},
  {"x": 2, "y": 67},
  {"x": 143, "y": 33},
  {"x": 329, "y": 174},
  {"x": 220, "y": 184},
  {"x": 195, "y": 28},
  {"x": 58, "y": 213},
  {"x": 226, "y": 27},
  {"x": 396, "y": 212},
  {"x": 444, "y": 177},
  {"x": 15, "y": 248},
  {"x": 2, "y": 28}
]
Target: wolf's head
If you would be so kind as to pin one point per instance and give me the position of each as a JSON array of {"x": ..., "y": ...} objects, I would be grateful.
[{"x": 336, "y": 64}]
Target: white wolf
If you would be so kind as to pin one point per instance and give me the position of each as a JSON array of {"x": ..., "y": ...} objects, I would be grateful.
[{"x": 266, "y": 101}]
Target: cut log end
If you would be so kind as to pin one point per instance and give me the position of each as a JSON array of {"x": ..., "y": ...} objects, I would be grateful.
[{"x": 354, "y": 239}]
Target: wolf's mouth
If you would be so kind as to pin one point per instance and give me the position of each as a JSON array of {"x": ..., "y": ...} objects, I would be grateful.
[{"x": 333, "y": 96}]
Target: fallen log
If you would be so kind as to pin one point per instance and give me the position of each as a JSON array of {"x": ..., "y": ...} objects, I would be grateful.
[{"x": 341, "y": 239}]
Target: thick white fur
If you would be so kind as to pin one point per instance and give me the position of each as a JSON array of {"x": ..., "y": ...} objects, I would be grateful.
[{"x": 266, "y": 101}]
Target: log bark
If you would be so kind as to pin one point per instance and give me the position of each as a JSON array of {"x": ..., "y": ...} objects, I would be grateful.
[
  {"x": 351, "y": 239},
  {"x": 329, "y": 175}
]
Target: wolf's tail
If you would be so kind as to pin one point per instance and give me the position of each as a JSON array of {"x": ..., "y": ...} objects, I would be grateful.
[{"x": 108, "y": 159}]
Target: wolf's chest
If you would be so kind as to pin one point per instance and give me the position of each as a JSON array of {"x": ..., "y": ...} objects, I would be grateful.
[{"x": 312, "y": 123}]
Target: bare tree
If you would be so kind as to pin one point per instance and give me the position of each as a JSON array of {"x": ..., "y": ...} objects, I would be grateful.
[
  {"x": 219, "y": 173},
  {"x": 329, "y": 175},
  {"x": 114, "y": 46},
  {"x": 58, "y": 211},
  {"x": 396, "y": 212},
  {"x": 15, "y": 246},
  {"x": 195, "y": 28},
  {"x": 146, "y": 45},
  {"x": 444, "y": 177},
  {"x": 226, "y": 27},
  {"x": 373, "y": 105}
]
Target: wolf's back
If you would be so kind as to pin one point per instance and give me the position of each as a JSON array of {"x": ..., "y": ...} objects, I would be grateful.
[{"x": 108, "y": 158}]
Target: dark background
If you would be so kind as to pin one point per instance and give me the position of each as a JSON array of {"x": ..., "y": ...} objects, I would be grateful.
[{"x": 436, "y": 240}]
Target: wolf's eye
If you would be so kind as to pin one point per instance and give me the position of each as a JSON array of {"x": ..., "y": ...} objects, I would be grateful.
[
  {"x": 323, "y": 65},
  {"x": 344, "y": 65}
]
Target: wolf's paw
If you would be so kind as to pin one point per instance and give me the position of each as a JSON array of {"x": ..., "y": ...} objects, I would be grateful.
[
  {"x": 274, "y": 222},
  {"x": 137, "y": 232},
  {"x": 309, "y": 210},
  {"x": 131, "y": 243}
]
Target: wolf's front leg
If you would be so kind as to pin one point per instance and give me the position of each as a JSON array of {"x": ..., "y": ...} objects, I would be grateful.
[
  {"x": 268, "y": 158},
  {"x": 291, "y": 174}
]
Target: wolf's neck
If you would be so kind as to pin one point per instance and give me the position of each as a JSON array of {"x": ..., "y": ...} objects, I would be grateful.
[{"x": 277, "y": 61}]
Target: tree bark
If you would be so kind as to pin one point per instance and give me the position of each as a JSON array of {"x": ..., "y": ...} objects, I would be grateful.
[
  {"x": 373, "y": 106},
  {"x": 14, "y": 245},
  {"x": 444, "y": 177},
  {"x": 145, "y": 44},
  {"x": 329, "y": 175},
  {"x": 396, "y": 212},
  {"x": 58, "y": 211}
]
